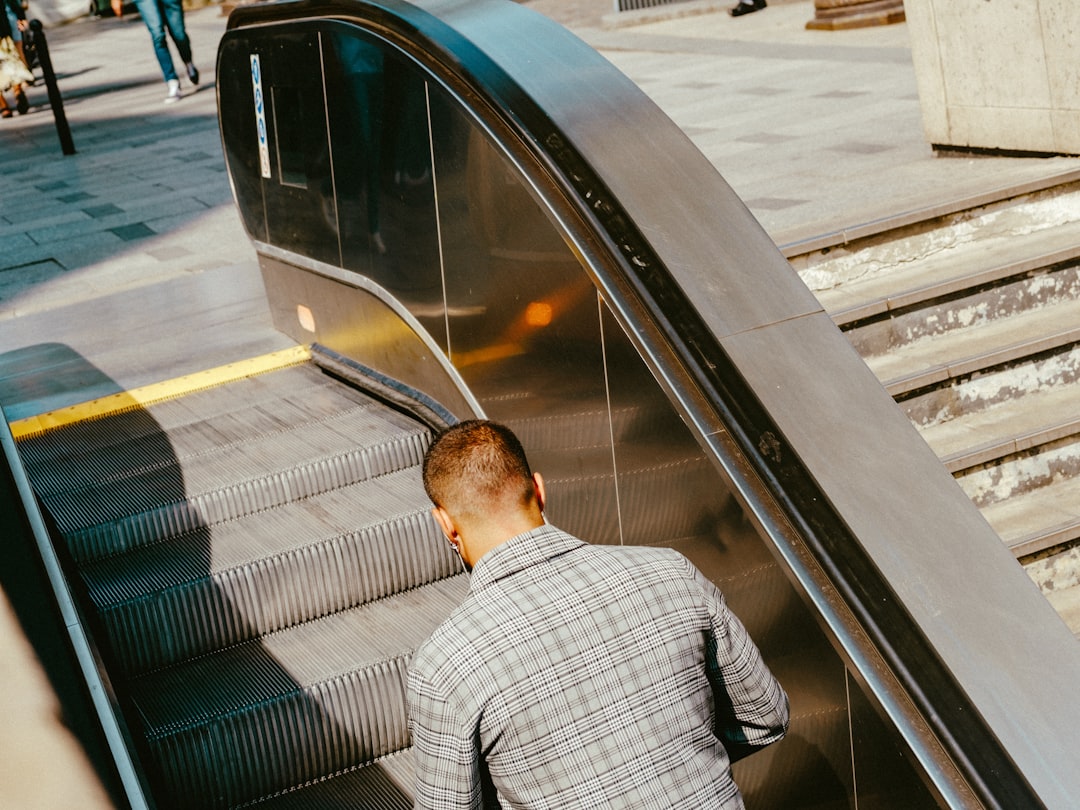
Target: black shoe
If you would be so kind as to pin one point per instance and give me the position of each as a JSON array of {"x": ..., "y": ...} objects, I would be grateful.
[
  {"x": 193, "y": 72},
  {"x": 746, "y": 7},
  {"x": 21, "y": 102}
]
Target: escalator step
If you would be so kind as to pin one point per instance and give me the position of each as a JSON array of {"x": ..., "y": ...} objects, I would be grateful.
[
  {"x": 175, "y": 496},
  {"x": 234, "y": 581},
  {"x": 298, "y": 705},
  {"x": 659, "y": 490},
  {"x": 268, "y": 402},
  {"x": 386, "y": 784},
  {"x": 216, "y": 430}
]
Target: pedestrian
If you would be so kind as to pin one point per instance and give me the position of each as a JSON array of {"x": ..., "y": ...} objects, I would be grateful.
[
  {"x": 14, "y": 74},
  {"x": 574, "y": 675},
  {"x": 747, "y": 7},
  {"x": 159, "y": 16}
]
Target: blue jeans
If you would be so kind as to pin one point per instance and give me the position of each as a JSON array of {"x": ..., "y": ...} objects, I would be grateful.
[{"x": 159, "y": 15}]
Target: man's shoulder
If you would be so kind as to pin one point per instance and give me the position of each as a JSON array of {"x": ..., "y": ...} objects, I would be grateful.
[
  {"x": 660, "y": 558},
  {"x": 452, "y": 645}
]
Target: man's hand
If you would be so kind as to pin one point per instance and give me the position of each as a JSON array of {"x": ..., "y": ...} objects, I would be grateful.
[{"x": 117, "y": 7}]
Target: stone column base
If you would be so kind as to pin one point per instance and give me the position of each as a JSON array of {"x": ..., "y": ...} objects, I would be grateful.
[{"x": 832, "y": 15}]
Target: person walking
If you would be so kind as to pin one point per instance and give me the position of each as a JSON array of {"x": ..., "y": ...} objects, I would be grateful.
[
  {"x": 14, "y": 74},
  {"x": 574, "y": 675},
  {"x": 161, "y": 16}
]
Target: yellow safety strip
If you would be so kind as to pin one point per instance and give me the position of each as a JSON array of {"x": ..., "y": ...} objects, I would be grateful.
[{"x": 158, "y": 392}]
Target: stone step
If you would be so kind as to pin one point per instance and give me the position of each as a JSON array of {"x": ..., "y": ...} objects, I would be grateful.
[
  {"x": 977, "y": 306},
  {"x": 924, "y": 260},
  {"x": 935, "y": 361},
  {"x": 1034, "y": 417},
  {"x": 993, "y": 388},
  {"x": 1039, "y": 517}
]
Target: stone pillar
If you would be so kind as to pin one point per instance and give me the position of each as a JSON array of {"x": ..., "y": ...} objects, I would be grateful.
[
  {"x": 830, "y": 15},
  {"x": 998, "y": 75}
]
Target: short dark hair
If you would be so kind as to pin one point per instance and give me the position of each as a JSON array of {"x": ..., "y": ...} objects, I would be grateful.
[{"x": 475, "y": 466}]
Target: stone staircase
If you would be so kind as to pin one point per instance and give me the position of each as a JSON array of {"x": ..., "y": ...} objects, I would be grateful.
[{"x": 971, "y": 320}]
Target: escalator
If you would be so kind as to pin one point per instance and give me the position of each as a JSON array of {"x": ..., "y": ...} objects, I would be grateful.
[
  {"x": 258, "y": 562},
  {"x": 461, "y": 211}
]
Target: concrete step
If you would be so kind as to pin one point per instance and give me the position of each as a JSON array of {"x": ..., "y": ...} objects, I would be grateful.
[
  {"x": 1032, "y": 502},
  {"x": 977, "y": 306},
  {"x": 1035, "y": 417},
  {"x": 935, "y": 360},
  {"x": 971, "y": 319},
  {"x": 991, "y": 388},
  {"x": 920, "y": 261},
  {"x": 1067, "y": 603}
]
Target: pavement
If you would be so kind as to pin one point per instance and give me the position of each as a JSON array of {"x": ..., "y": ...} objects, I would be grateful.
[{"x": 819, "y": 132}]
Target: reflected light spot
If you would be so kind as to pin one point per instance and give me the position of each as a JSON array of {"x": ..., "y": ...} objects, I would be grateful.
[
  {"x": 538, "y": 313},
  {"x": 305, "y": 317}
]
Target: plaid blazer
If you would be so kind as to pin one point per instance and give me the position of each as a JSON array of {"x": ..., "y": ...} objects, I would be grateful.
[{"x": 576, "y": 676}]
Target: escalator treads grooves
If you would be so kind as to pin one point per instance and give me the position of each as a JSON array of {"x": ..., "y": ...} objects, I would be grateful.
[
  {"x": 303, "y": 702},
  {"x": 169, "y": 601},
  {"x": 109, "y": 520}
]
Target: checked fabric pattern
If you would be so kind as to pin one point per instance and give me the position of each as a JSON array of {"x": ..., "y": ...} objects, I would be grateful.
[{"x": 576, "y": 676}]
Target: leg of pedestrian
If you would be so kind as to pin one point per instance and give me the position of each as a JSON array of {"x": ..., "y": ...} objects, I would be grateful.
[
  {"x": 174, "y": 21},
  {"x": 153, "y": 16}
]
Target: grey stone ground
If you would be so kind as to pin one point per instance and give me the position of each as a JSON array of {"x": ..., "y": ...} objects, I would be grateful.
[{"x": 819, "y": 132}]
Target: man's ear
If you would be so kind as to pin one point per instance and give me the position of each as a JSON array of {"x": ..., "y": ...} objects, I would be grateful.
[
  {"x": 442, "y": 517},
  {"x": 541, "y": 494}
]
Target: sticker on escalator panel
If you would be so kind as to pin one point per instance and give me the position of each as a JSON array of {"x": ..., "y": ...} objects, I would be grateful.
[{"x": 260, "y": 115}]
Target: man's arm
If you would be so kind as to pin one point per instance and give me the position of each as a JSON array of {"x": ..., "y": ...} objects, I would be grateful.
[
  {"x": 445, "y": 750},
  {"x": 751, "y": 706}
]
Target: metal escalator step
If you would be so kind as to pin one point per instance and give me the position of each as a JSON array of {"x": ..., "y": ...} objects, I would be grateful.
[
  {"x": 228, "y": 583},
  {"x": 386, "y": 784},
  {"x": 295, "y": 706},
  {"x": 269, "y": 401},
  {"x": 661, "y": 492},
  {"x": 184, "y": 494}
]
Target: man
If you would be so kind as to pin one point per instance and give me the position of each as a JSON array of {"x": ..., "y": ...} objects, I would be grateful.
[
  {"x": 160, "y": 15},
  {"x": 574, "y": 675}
]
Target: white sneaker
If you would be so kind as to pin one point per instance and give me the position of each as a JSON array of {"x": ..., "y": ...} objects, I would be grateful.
[{"x": 174, "y": 91}]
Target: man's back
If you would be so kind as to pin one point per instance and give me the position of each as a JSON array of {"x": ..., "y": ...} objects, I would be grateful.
[{"x": 577, "y": 676}]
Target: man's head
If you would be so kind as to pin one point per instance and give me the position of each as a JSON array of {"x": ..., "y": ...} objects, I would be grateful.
[{"x": 484, "y": 492}]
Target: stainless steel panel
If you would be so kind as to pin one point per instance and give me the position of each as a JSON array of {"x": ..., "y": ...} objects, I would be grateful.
[{"x": 523, "y": 322}]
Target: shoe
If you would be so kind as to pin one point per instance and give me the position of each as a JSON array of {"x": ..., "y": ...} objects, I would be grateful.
[
  {"x": 747, "y": 7},
  {"x": 174, "y": 91},
  {"x": 192, "y": 72},
  {"x": 21, "y": 103},
  {"x": 5, "y": 112}
]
